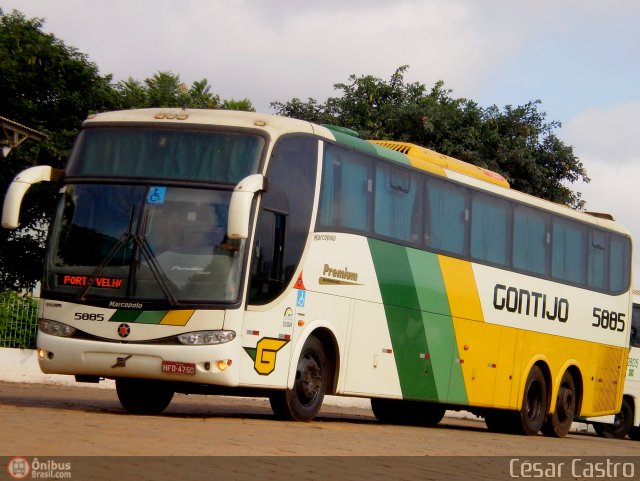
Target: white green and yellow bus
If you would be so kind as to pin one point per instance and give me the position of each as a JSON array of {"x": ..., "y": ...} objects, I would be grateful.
[
  {"x": 224, "y": 252},
  {"x": 627, "y": 421}
]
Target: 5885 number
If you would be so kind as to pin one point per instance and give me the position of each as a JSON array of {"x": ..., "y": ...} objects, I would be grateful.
[
  {"x": 86, "y": 316},
  {"x": 611, "y": 320}
]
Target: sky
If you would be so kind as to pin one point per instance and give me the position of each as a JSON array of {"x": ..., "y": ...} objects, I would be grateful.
[{"x": 580, "y": 58}]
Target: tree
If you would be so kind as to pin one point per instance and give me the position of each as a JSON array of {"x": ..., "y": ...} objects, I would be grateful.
[
  {"x": 517, "y": 142},
  {"x": 50, "y": 87},
  {"x": 166, "y": 89}
]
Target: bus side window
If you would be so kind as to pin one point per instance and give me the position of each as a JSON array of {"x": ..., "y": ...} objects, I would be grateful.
[
  {"x": 347, "y": 186},
  {"x": 398, "y": 206},
  {"x": 635, "y": 326},
  {"x": 568, "y": 252},
  {"x": 448, "y": 215},
  {"x": 490, "y": 217},
  {"x": 530, "y": 240}
]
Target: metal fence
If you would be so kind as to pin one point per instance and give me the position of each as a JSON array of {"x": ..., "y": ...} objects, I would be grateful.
[{"x": 18, "y": 320}]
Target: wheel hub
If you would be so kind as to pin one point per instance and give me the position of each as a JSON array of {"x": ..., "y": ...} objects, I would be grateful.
[
  {"x": 565, "y": 404},
  {"x": 310, "y": 379}
]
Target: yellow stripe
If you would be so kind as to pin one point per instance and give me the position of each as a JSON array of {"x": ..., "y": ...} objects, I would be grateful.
[
  {"x": 462, "y": 292},
  {"x": 177, "y": 318},
  {"x": 496, "y": 360}
]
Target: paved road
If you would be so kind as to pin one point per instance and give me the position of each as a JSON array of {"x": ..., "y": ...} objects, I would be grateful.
[{"x": 50, "y": 420}]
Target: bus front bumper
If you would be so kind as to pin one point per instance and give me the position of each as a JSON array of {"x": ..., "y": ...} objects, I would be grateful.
[{"x": 211, "y": 364}]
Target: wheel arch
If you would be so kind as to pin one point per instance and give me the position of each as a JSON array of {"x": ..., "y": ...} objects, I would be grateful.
[
  {"x": 542, "y": 363},
  {"x": 633, "y": 402},
  {"x": 574, "y": 370},
  {"x": 324, "y": 332},
  {"x": 330, "y": 344}
]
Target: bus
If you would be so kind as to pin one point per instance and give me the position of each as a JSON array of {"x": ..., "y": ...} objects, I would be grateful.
[
  {"x": 236, "y": 253},
  {"x": 627, "y": 421}
]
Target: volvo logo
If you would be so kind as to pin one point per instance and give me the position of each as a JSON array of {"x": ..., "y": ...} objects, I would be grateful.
[{"x": 124, "y": 330}]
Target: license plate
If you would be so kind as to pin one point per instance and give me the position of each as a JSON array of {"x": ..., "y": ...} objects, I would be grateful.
[{"x": 174, "y": 367}]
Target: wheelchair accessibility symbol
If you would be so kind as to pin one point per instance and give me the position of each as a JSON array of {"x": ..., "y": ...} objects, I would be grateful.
[
  {"x": 156, "y": 195},
  {"x": 302, "y": 295}
]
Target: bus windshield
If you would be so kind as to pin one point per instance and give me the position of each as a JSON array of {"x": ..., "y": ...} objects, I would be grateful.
[
  {"x": 156, "y": 243},
  {"x": 222, "y": 157}
]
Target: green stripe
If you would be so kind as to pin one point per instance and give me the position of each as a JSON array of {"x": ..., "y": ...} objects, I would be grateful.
[
  {"x": 124, "y": 316},
  {"x": 369, "y": 148},
  {"x": 419, "y": 320},
  {"x": 151, "y": 317},
  {"x": 143, "y": 317},
  {"x": 405, "y": 321},
  {"x": 438, "y": 326}
]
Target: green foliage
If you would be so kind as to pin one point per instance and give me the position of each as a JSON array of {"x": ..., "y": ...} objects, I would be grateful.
[
  {"x": 165, "y": 89},
  {"x": 243, "y": 104},
  {"x": 517, "y": 142},
  {"x": 18, "y": 320},
  {"x": 50, "y": 87}
]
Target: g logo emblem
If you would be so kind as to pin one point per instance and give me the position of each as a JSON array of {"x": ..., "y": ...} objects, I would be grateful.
[{"x": 264, "y": 354}]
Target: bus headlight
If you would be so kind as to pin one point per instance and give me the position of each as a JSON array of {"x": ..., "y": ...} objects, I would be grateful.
[
  {"x": 55, "y": 328},
  {"x": 199, "y": 338}
]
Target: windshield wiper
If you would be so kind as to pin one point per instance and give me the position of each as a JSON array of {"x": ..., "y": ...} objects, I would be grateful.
[
  {"x": 124, "y": 241},
  {"x": 147, "y": 253},
  {"x": 156, "y": 270}
]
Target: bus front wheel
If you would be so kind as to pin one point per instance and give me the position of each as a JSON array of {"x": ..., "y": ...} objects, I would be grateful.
[
  {"x": 303, "y": 402},
  {"x": 559, "y": 421},
  {"x": 622, "y": 423},
  {"x": 143, "y": 396},
  {"x": 534, "y": 403}
]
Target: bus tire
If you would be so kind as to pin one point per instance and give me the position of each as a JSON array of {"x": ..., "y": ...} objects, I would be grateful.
[
  {"x": 621, "y": 426},
  {"x": 429, "y": 414},
  {"x": 501, "y": 421},
  {"x": 303, "y": 402},
  {"x": 143, "y": 396},
  {"x": 414, "y": 413},
  {"x": 559, "y": 422},
  {"x": 534, "y": 404},
  {"x": 386, "y": 410}
]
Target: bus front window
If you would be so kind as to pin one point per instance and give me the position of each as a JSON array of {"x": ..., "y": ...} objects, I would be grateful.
[{"x": 153, "y": 243}]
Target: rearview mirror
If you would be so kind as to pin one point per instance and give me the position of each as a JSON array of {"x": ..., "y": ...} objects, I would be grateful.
[
  {"x": 19, "y": 187},
  {"x": 240, "y": 205}
]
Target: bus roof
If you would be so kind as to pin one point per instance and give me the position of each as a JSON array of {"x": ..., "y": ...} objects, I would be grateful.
[
  {"x": 272, "y": 124},
  {"x": 403, "y": 153}
]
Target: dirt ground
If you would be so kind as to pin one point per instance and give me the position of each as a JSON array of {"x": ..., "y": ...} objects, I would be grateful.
[{"x": 54, "y": 421}]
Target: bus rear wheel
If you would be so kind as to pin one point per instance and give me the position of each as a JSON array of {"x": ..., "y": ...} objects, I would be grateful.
[
  {"x": 559, "y": 421},
  {"x": 303, "y": 402},
  {"x": 534, "y": 404},
  {"x": 143, "y": 396},
  {"x": 398, "y": 411},
  {"x": 622, "y": 423}
]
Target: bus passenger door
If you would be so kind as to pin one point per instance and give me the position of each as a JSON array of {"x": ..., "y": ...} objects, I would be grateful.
[{"x": 281, "y": 234}]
